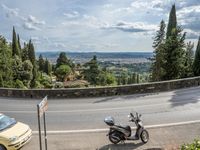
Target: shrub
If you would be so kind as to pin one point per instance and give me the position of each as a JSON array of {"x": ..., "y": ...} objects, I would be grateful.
[{"x": 193, "y": 146}]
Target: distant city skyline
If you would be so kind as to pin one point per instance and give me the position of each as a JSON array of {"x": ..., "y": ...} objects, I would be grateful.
[{"x": 95, "y": 25}]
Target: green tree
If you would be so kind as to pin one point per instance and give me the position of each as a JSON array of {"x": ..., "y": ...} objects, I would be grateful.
[
  {"x": 15, "y": 46},
  {"x": 196, "y": 64},
  {"x": 172, "y": 24},
  {"x": 174, "y": 55},
  {"x": 92, "y": 71},
  {"x": 62, "y": 71},
  {"x": 138, "y": 78},
  {"x": 41, "y": 63},
  {"x": 34, "y": 80},
  {"x": 63, "y": 60},
  {"x": 24, "y": 53},
  {"x": 6, "y": 71},
  {"x": 174, "y": 52},
  {"x": 189, "y": 56},
  {"x": 1, "y": 81},
  {"x": 31, "y": 52},
  {"x": 106, "y": 78},
  {"x": 26, "y": 75},
  {"x": 47, "y": 67},
  {"x": 158, "y": 57}
]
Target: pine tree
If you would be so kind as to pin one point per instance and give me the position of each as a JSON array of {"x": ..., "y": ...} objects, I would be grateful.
[
  {"x": 172, "y": 24},
  {"x": 196, "y": 64},
  {"x": 62, "y": 59},
  {"x": 15, "y": 47},
  {"x": 174, "y": 49},
  {"x": 158, "y": 57},
  {"x": 92, "y": 71}
]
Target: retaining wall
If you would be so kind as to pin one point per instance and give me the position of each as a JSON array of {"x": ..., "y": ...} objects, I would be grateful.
[{"x": 102, "y": 91}]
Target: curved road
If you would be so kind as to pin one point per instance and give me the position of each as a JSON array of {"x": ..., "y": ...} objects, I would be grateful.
[{"x": 88, "y": 113}]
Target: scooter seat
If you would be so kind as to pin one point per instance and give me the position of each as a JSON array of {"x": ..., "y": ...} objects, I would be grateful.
[{"x": 125, "y": 127}]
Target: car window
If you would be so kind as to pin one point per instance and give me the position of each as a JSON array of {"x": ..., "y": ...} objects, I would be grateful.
[{"x": 6, "y": 122}]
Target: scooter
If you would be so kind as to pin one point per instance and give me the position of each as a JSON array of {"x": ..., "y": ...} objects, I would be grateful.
[{"x": 119, "y": 133}]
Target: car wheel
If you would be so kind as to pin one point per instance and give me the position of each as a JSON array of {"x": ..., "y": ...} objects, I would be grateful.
[{"x": 2, "y": 147}]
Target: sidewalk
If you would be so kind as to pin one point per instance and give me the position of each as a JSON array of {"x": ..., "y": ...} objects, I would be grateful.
[{"x": 164, "y": 138}]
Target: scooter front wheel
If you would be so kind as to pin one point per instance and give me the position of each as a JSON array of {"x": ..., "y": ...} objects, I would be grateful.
[{"x": 144, "y": 136}]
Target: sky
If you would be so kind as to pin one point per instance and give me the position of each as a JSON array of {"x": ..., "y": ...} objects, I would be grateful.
[{"x": 94, "y": 25}]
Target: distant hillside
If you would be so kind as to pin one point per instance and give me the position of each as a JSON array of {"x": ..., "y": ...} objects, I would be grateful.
[{"x": 100, "y": 55}]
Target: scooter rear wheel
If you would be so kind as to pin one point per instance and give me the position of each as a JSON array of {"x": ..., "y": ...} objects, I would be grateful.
[
  {"x": 144, "y": 136},
  {"x": 113, "y": 139}
]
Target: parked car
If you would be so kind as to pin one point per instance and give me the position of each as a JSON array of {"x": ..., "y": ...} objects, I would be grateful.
[{"x": 13, "y": 134}]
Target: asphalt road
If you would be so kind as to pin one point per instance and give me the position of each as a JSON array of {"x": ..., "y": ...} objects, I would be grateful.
[{"x": 89, "y": 113}]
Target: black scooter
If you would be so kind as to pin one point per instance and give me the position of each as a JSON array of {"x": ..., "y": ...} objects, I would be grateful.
[{"x": 119, "y": 133}]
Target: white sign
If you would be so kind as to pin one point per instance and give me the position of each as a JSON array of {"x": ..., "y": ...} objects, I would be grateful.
[{"x": 43, "y": 106}]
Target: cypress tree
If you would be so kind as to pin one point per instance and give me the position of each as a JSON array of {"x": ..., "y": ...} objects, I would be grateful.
[
  {"x": 1, "y": 81},
  {"x": 172, "y": 24},
  {"x": 19, "y": 45},
  {"x": 18, "y": 41},
  {"x": 31, "y": 52},
  {"x": 196, "y": 64},
  {"x": 25, "y": 52},
  {"x": 47, "y": 67},
  {"x": 15, "y": 47},
  {"x": 138, "y": 78},
  {"x": 41, "y": 63}
]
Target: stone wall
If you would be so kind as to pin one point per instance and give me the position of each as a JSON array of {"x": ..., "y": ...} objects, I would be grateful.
[{"x": 102, "y": 91}]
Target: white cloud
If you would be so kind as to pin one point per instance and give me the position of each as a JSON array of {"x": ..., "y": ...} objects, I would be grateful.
[
  {"x": 72, "y": 15},
  {"x": 107, "y": 5},
  {"x": 33, "y": 20},
  {"x": 190, "y": 17},
  {"x": 59, "y": 45},
  {"x": 10, "y": 12},
  {"x": 34, "y": 38},
  {"x": 30, "y": 26},
  {"x": 85, "y": 21},
  {"x": 190, "y": 34},
  {"x": 132, "y": 26}
]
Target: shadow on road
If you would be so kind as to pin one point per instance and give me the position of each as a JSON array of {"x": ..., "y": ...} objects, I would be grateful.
[
  {"x": 126, "y": 146},
  {"x": 127, "y": 97},
  {"x": 184, "y": 97}
]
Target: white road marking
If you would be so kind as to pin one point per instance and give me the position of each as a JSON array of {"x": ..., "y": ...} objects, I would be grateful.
[
  {"x": 103, "y": 109},
  {"x": 106, "y": 130}
]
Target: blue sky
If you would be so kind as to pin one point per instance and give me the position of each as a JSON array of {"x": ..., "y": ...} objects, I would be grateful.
[{"x": 95, "y": 25}]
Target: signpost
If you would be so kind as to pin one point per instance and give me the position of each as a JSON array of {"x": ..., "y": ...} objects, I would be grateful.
[{"x": 41, "y": 109}]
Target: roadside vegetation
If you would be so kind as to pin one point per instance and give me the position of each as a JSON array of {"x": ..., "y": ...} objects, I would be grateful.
[
  {"x": 173, "y": 59},
  {"x": 195, "y": 145}
]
